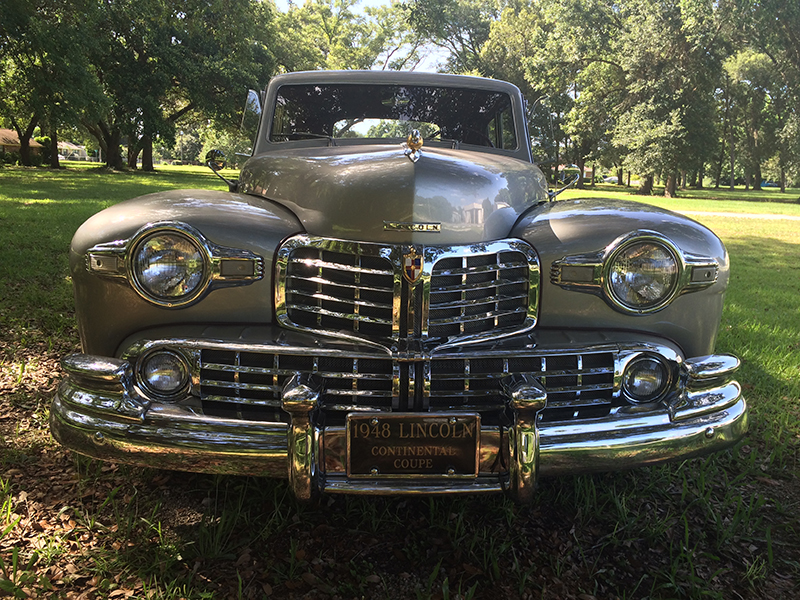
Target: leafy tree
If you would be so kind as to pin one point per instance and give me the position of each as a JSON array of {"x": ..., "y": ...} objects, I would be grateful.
[
  {"x": 460, "y": 26},
  {"x": 331, "y": 34},
  {"x": 161, "y": 60},
  {"x": 758, "y": 109},
  {"x": 45, "y": 77}
]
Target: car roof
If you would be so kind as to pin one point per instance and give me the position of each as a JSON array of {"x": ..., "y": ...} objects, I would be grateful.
[{"x": 394, "y": 77}]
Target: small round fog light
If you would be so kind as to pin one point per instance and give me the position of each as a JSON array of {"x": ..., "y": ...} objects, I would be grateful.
[
  {"x": 645, "y": 379},
  {"x": 164, "y": 373}
]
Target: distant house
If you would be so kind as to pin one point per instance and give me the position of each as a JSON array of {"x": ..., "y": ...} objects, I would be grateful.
[
  {"x": 70, "y": 151},
  {"x": 9, "y": 142}
]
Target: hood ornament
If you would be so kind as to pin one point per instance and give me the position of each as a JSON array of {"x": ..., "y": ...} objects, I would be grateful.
[{"x": 412, "y": 146}]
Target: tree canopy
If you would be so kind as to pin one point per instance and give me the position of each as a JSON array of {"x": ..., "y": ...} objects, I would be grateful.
[
  {"x": 670, "y": 89},
  {"x": 129, "y": 71},
  {"x": 674, "y": 90}
]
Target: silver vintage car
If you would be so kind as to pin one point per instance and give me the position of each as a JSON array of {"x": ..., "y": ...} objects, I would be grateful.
[{"x": 390, "y": 301}]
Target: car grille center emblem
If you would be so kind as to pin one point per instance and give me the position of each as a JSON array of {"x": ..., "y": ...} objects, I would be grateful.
[{"x": 412, "y": 266}]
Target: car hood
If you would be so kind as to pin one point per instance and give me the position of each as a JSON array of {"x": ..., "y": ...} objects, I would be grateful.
[{"x": 378, "y": 193}]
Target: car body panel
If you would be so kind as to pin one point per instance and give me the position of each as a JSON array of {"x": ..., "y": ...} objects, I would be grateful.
[
  {"x": 106, "y": 308},
  {"x": 352, "y": 192},
  {"x": 569, "y": 227}
]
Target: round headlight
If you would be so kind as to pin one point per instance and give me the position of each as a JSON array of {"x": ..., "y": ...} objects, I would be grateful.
[
  {"x": 169, "y": 268},
  {"x": 645, "y": 379},
  {"x": 164, "y": 373},
  {"x": 643, "y": 275}
]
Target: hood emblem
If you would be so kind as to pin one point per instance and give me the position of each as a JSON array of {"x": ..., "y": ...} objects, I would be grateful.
[
  {"x": 417, "y": 226},
  {"x": 412, "y": 146},
  {"x": 412, "y": 266}
]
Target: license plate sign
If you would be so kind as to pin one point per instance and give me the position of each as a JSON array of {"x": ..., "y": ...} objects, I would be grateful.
[{"x": 412, "y": 445}]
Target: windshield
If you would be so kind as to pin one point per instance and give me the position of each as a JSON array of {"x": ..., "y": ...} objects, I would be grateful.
[{"x": 478, "y": 117}]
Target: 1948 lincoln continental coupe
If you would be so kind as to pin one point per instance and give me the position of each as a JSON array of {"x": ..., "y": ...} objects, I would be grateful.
[{"x": 390, "y": 301}]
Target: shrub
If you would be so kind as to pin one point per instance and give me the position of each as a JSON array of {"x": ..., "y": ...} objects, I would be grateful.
[{"x": 11, "y": 158}]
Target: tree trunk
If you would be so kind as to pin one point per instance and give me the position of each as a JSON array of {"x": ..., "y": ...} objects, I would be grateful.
[
  {"x": 701, "y": 174},
  {"x": 146, "y": 144},
  {"x": 25, "y": 139},
  {"x": 108, "y": 138},
  {"x": 732, "y": 160},
  {"x": 133, "y": 152},
  {"x": 646, "y": 188},
  {"x": 758, "y": 177},
  {"x": 54, "y": 164},
  {"x": 619, "y": 176},
  {"x": 783, "y": 180},
  {"x": 629, "y": 181},
  {"x": 718, "y": 165},
  {"x": 671, "y": 185},
  {"x": 113, "y": 150},
  {"x": 581, "y": 163},
  {"x": 594, "y": 174}
]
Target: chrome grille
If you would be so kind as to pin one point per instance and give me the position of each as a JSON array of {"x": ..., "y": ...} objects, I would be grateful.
[
  {"x": 574, "y": 382},
  {"x": 363, "y": 290},
  {"x": 242, "y": 383},
  {"x": 477, "y": 293},
  {"x": 340, "y": 291},
  {"x": 255, "y": 379}
]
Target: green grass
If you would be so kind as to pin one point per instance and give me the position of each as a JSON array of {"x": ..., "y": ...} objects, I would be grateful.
[
  {"x": 40, "y": 210},
  {"x": 767, "y": 201},
  {"x": 697, "y": 529}
]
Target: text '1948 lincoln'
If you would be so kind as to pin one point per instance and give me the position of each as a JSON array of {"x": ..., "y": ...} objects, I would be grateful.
[{"x": 390, "y": 301}]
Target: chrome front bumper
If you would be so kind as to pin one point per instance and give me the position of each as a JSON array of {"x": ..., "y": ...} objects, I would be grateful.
[{"x": 94, "y": 415}]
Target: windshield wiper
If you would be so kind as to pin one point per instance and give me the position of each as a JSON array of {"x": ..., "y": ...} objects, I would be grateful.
[
  {"x": 438, "y": 134},
  {"x": 302, "y": 135}
]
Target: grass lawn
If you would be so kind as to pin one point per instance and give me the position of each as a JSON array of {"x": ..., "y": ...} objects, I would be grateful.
[
  {"x": 766, "y": 201},
  {"x": 724, "y": 526}
]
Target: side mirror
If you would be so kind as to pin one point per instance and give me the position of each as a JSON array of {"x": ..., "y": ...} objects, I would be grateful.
[{"x": 215, "y": 160}]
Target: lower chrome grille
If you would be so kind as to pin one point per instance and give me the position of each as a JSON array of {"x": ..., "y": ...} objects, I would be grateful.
[
  {"x": 241, "y": 383},
  {"x": 253, "y": 378}
]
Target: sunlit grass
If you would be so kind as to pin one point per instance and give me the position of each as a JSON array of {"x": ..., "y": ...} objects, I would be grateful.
[{"x": 768, "y": 201}]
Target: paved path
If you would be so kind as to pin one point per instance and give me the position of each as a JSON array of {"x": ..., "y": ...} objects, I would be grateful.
[{"x": 739, "y": 215}]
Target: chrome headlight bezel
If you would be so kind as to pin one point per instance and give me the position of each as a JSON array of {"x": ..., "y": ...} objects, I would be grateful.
[
  {"x": 145, "y": 290},
  {"x": 671, "y": 290},
  {"x": 634, "y": 367},
  {"x": 591, "y": 273},
  {"x": 151, "y": 390}
]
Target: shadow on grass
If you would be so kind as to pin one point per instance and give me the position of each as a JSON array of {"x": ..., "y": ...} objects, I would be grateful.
[{"x": 693, "y": 529}]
